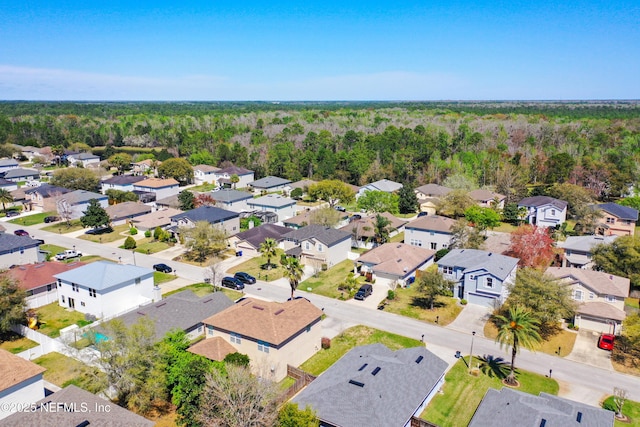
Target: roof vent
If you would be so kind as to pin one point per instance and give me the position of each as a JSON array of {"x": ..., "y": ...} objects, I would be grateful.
[
  {"x": 543, "y": 422},
  {"x": 490, "y": 253},
  {"x": 161, "y": 304},
  {"x": 363, "y": 366},
  {"x": 358, "y": 383},
  {"x": 375, "y": 371},
  {"x": 248, "y": 302},
  {"x": 399, "y": 260},
  {"x": 207, "y": 300},
  {"x": 279, "y": 311},
  {"x": 419, "y": 359},
  {"x": 140, "y": 313},
  {"x": 257, "y": 307},
  {"x": 85, "y": 423},
  {"x": 579, "y": 417}
]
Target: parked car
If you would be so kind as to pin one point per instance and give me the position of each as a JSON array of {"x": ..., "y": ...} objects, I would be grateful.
[
  {"x": 163, "y": 268},
  {"x": 52, "y": 218},
  {"x": 233, "y": 283},
  {"x": 21, "y": 233},
  {"x": 245, "y": 277},
  {"x": 363, "y": 292},
  {"x": 68, "y": 254},
  {"x": 606, "y": 341},
  {"x": 341, "y": 209},
  {"x": 421, "y": 214},
  {"x": 11, "y": 214}
]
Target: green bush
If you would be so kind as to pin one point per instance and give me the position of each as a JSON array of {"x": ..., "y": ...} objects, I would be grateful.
[
  {"x": 147, "y": 233},
  {"x": 463, "y": 301},
  {"x": 130, "y": 243},
  {"x": 391, "y": 295},
  {"x": 133, "y": 231}
]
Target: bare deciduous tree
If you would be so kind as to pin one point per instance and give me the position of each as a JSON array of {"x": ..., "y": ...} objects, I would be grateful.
[
  {"x": 214, "y": 272},
  {"x": 619, "y": 397}
]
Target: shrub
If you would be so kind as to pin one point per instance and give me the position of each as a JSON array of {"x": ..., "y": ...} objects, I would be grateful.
[
  {"x": 237, "y": 359},
  {"x": 147, "y": 233},
  {"x": 390, "y": 294},
  {"x": 157, "y": 233},
  {"x": 325, "y": 343},
  {"x": 463, "y": 301},
  {"x": 133, "y": 231},
  {"x": 130, "y": 243}
]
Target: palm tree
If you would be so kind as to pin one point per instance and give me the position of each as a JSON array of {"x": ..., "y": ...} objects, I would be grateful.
[
  {"x": 518, "y": 329},
  {"x": 381, "y": 229},
  {"x": 234, "y": 180},
  {"x": 293, "y": 270},
  {"x": 5, "y": 197},
  {"x": 268, "y": 248}
]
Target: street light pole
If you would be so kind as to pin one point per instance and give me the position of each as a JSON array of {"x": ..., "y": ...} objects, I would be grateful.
[
  {"x": 133, "y": 251},
  {"x": 473, "y": 334}
]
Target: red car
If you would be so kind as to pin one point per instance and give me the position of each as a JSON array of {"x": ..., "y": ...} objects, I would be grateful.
[
  {"x": 21, "y": 233},
  {"x": 606, "y": 341}
]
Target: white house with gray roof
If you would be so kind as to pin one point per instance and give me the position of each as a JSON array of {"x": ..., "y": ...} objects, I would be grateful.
[
  {"x": 232, "y": 200},
  {"x": 374, "y": 386},
  {"x": 578, "y": 250},
  {"x": 385, "y": 185},
  {"x": 21, "y": 174},
  {"x": 106, "y": 289},
  {"x": 270, "y": 184},
  {"x": 317, "y": 244},
  {"x": 204, "y": 174},
  {"x": 480, "y": 277},
  {"x": 19, "y": 250},
  {"x": 544, "y": 211},
  {"x": 228, "y": 220},
  {"x": 431, "y": 232},
  {"x": 84, "y": 160},
  {"x": 120, "y": 182},
  {"x": 76, "y": 202},
  {"x": 284, "y": 207},
  {"x": 8, "y": 164}
]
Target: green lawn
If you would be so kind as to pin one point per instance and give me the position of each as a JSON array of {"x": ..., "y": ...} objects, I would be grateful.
[
  {"x": 33, "y": 219},
  {"x": 160, "y": 277},
  {"x": 327, "y": 281},
  {"x": 632, "y": 302},
  {"x": 462, "y": 393},
  {"x": 564, "y": 340},
  {"x": 254, "y": 267},
  {"x": 505, "y": 227},
  {"x": 630, "y": 408},
  {"x": 63, "y": 370},
  {"x": 202, "y": 289},
  {"x": 52, "y": 249},
  {"x": 398, "y": 238},
  {"x": 15, "y": 343},
  {"x": 350, "y": 338},
  {"x": 52, "y": 318},
  {"x": 408, "y": 302},
  {"x": 63, "y": 227},
  {"x": 111, "y": 236},
  {"x": 89, "y": 258},
  {"x": 150, "y": 246}
]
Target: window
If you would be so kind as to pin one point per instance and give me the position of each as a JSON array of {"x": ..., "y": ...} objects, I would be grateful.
[
  {"x": 431, "y": 233},
  {"x": 210, "y": 329},
  {"x": 200, "y": 329},
  {"x": 48, "y": 288},
  {"x": 82, "y": 303},
  {"x": 235, "y": 338},
  {"x": 447, "y": 270},
  {"x": 489, "y": 282},
  {"x": 553, "y": 212},
  {"x": 319, "y": 248},
  {"x": 92, "y": 292},
  {"x": 63, "y": 298},
  {"x": 591, "y": 295},
  {"x": 577, "y": 294},
  {"x": 137, "y": 280},
  {"x": 611, "y": 220},
  {"x": 74, "y": 287},
  {"x": 472, "y": 277},
  {"x": 263, "y": 346},
  {"x": 434, "y": 246},
  {"x": 610, "y": 298},
  {"x": 307, "y": 245},
  {"x": 414, "y": 242}
]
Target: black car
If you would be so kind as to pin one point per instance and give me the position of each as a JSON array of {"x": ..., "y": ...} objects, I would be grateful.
[
  {"x": 12, "y": 214},
  {"x": 245, "y": 277},
  {"x": 363, "y": 292},
  {"x": 21, "y": 233},
  {"x": 163, "y": 268},
  {"x": 233, "y": 283},
  {"x": 49, "y": 219}
]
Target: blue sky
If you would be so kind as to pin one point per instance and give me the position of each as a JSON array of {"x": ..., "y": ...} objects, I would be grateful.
[{"x": 330, "y": 50}]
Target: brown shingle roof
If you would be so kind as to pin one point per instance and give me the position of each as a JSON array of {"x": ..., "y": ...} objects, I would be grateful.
[
  {"x": 156, "y": 219},
  {"x": 215, "y": 348},
  {"x": 31, "y": 276},
  {"x": 485, "y": 195},
  {"x": 206, "y": 168},
  {"x": 271, "y": 322},
  {"x": 600, "y": 282},
  {"x": 601, "y": 310},
  {"x": 396, "y": 258},
  {"x": 156, "y": 183},
  {"x": 126, "y": 210},
  {"x": 15, "y": 370},
  {"x": 365, "y": 226},
  {"x": 432, "y": 223}
]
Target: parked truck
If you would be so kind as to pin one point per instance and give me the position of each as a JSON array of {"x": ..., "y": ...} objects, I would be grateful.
[{"x": 68, "y": 254}]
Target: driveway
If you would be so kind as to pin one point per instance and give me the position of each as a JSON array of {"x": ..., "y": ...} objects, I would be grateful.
[
  {"x": 378, "y": 295},
  {"x": 586, "y": 350},
  {"x": 471, "y": 318}
]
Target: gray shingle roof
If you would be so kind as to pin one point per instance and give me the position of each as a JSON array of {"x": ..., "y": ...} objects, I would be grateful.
[
  {"x": 585, "y": 243},
  {"x": 327, "y": 235},
  {"x": 8, "y": 162},
  {"x": 507, "y": 408},
  {"x": 83, "y": 196},
  {"x": 536, "y": 201},
  {"x": 231, "y": 170},
  {"x": 101, "y": 275},
  {"x": 272, "y": 201},
  {"x": 20, "y": 172},
  {"x": 11, "y": 242},
  {"x": 383, "y": 185},
  {"x": 228, "y": 195},
  {"x": 206, "y": 213},
  {"x": 622, "y": 212},
  {"x": 473, "y": 259},
  {"x": 433, "y": 190},
  {"x": 350, "y": 394},
  {"x": 47, "y": 190},
  {"x": 269, "y": 182},
  {"x": 257, "y": 235},
  {"x": 124, "y": 179}
]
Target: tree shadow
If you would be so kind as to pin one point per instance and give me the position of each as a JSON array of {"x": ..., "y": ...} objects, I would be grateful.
[
  {"x": 494, "y": 367},
  {"x": 424, "y": 303}
]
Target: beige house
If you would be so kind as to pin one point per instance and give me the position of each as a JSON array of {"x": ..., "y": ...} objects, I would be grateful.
[
  {"x": 272, "y": 334},
  {"x": 160, "y": 187},
  {"x": 600, "y": 297},
  {"x": 21, "y": 383},
  {"x": 363, "y": 230},
  {"x": 616, "y": 220},
  {"x": 395, "y": 263},
  {"x": 204, "y": 174},
  {"x": 488, "y": 199},
  {"x": 316, "y": 245},
  {"x": 160, "y": 218},
  {"x": 431, "y": 231},
  {"x": 145, "y": 166},
  {"x": 429, "y": 195}
]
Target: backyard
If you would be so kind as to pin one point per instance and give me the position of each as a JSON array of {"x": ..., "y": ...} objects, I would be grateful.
[
  {"x": 410, "y": 303},
  {"x": 15, "y": 343},
  {"x": 63, "y": 371},
  {"x": 462, "y": 392},
  {"x": 52, "y": 318}
]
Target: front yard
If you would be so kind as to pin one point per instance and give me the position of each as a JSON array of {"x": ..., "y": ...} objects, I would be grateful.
[
  {"x": 254, "y": 267},
  {"x": 160, "y": 277},
  {"x": 326, "y": 283},
  {"x": 564, "y": 340},
  {"x": 63, "y": 371},
  {"x": 630, "y": 408},
  {"x": 462, "y": 392},
  {"x": 116, "y": 233},
  {"x": 408, "y": 302},
  {"x": 63, "y": 227},
  {"x": 149, "y": 245},
  {"x": 202, "y": 289},
  {"x": 32, "y": 219}
]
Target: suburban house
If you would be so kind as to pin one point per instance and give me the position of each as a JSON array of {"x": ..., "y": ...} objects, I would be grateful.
[
  {"x": 124, "y": 212},
  {"x": 431, "y": 231},
  {"x": 75, "y": 203},
  {"x": 428, "y": 196},
  {"x": 544, "y": 211},
  {"x": 270, "y": 184},
  {"x": 21, "y": 383},
  {"x": 31, "y": 176},
  {"x": 578, "y": 250},
  {"x": 83, "y": 160},
  {"x": 508, "y": 407},
  {"x": 19, "y": 250},
  {"x": 303, "y": 184},
  {"x": 151, "y": 221},
  {"x": 228, "y": 220},
  {"x": 160, "y": 187},
  {"x": 73, "y": 406},
  {"x": 249, "y": 241},
  {"x": 265, "y": 216},
  {"x": 374, "y": 386},
  {"x": 7, "y": 185},
  {"x": 301, "y": 220},
  {"x": 393, "y": 263},
  {"x": 488, "y": 199},
  {"x": 183, "y": 310},
  {"x": 616, "y": 220},
  {"x": 232, "y": 200},
  {"x": 204, "y": 174},
  {"x": 8, "y": 164},
  {"x": 272, "y": 334},
  {"x": 363, "y": 231},
  {"x": 480, "y": 277},
  {"x": 317, "y": 245},
  {"x": 44, "y": 197},
  {"x": 284, "y": 207},
  {"x": 385, "y": 185},
  {"x": 600, "y": 297},
  {"x": 105, "y": 289},
  {"x": 145, "y": 167},
  {"x": 38, "y": 280},
  {"x": 168, "y": 202},
  {"x": 120, "y": 182},
  {"x": 223, "y": 177},
  {"x": 29, "y": 152}
]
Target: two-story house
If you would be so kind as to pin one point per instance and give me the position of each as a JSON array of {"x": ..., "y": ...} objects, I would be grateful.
[
  {"x": 431, "y": 232},
  {"x": 105, "y": 289},
  {"x": 44, "y": 197},
  {"x": 284, "y": 207},
  {"x": 600, "y": 297},
  {"x": 204, "y": 174},
  {"x": 270, "y": 184},
  {"x": 616, "y": 220},
  {"x": 120, "y": 182},
  {"x": 544, "y": 211},
  {"x": 245, "y": 176},
  {"x": 19, "y": 250},
  {"x": 231, "y": 199},
  {"x": 317, "y": 245},
  {"x": 480, "y": 277},
  {"x": 272, "y": 334},
  {"x": 248, "y": 242},
  {"x": 76, "y": 202},
  {"x": 22, "y": 175},
  {"x": 228, "y": 220},
  {"x": 160, "y": 187},
  {"x": 578, "y": 250},
  {"x": 84, "y": 160}
]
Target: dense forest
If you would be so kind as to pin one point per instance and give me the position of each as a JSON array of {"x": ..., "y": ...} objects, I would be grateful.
[{"x": 498, "y": 144}]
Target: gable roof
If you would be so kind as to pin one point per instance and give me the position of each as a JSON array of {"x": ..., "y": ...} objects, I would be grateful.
[
  {"x": 11, "y": 242},
  {"x": 601, "y": 309},
  {"x": 8, "y": 162},
  {"x": 206, "y": 168},
  {"x": 127, "y": 210},
  {"x": 303, "y": 183},
  {"x": 6, "y": 183},
  {"x": 433, "y": 190},
  {"x": 537, "y": 201},
  {"x": 256, "y": 235},
  {"x": 619, "y": 211},
  {"x": 365, "y": 226},
  {"x": 82, "y": 196},
  {"x": 272, "y": 201},
  {"x": 234, "y": 170},
  {"x": 182, "y": 310},
  {"x": 272, "y": 322},
  {"x": 15, "y": 370},
  {"x": 585, "y": 243},
  {"x": 349, "y": 393},
  {"x": 211, "y": 214},
  {"x": 474, "y": 259},
  {"x": 599, "y": 281},
  {"x": 269, "y": 182},
  {"x": 47, "y": 190},
  {"x": 385, "y": 185},
  {"x": 83, "y": 156},
  {"x": 157, "y": 183},
  {"x": 75, "y": 397},
  {"x": 327, "y": 235},
  {"x": 102, "y": 275},
  {"x": 508, "y": 407},
  {"x": 485, "y": 195},
  {"x": 229, "y": 195},
  {"x": 215, "y": 348},
  {"x": 32, "y": 276},
  {"x": 124, "y": 179},
  {"x": 396, "y": 258},
  {"x": 437, "y": 223},
  {"x": 159, "y": 218},
  {"x": 302, "y": 218},
  {"x": 20, "y": 172}
]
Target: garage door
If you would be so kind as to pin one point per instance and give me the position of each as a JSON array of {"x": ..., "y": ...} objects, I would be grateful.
[
  {"x": 594, "y": 324},
  {"x": 481, "y": 300}
]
